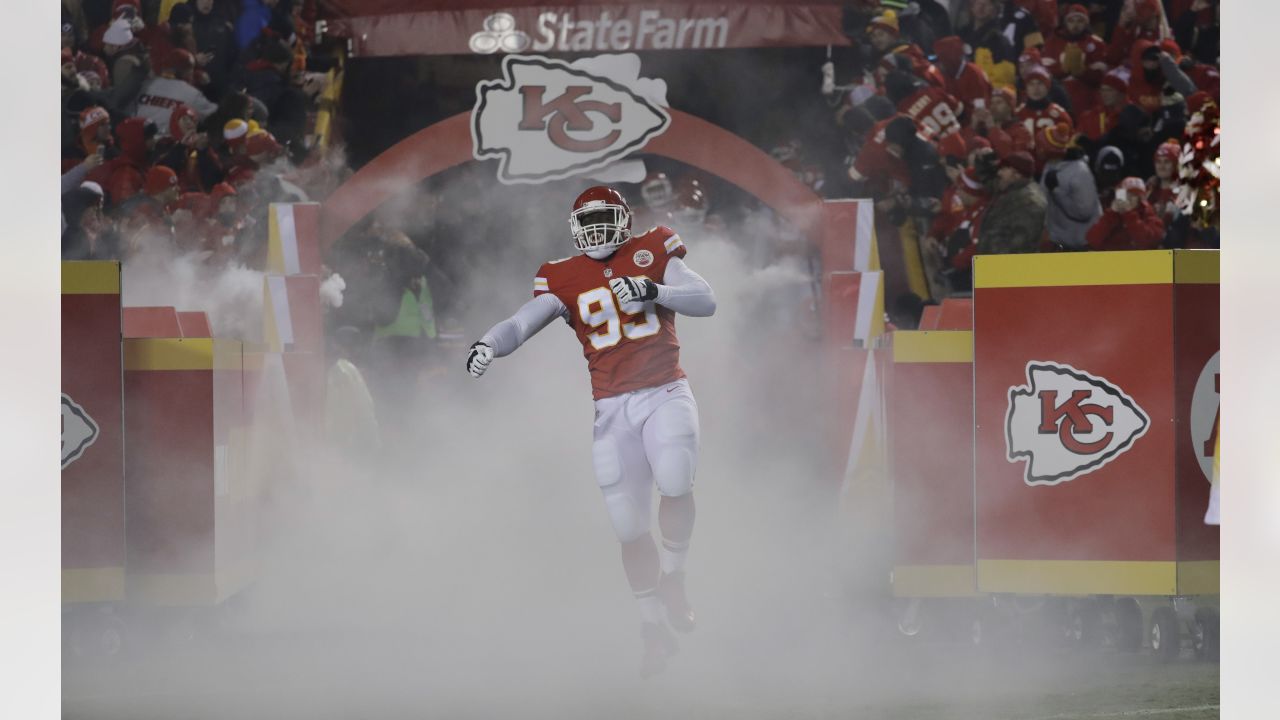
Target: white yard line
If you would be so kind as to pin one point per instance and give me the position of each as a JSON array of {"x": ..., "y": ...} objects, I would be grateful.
[{"x": 1127, "y": 713}]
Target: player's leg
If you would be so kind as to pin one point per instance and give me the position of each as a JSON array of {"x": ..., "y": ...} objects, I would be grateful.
[
  {"x": 671, "y": 445},
  {"x": 622, "y": 472}
]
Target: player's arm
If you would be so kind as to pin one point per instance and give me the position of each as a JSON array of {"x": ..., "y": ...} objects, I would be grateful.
[
  {"x": 681, "y": 289},
  {"x": 503, "y": 338}
]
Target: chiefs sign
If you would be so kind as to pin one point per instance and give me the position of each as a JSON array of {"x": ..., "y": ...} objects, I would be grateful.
[
  {"x": 547, "y": 119},
  {"x": 1066, "y": 423}
]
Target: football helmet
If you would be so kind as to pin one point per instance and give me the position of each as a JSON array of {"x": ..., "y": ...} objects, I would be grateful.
[
  {"x": 657, "y": 191},
  {"x": 600, "y": 221}
]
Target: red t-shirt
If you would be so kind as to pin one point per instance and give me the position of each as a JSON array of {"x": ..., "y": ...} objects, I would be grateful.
[{"x": 630, "y": 347}]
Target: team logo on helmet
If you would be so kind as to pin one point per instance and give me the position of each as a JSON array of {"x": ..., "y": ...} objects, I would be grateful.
[
  {"x": 547, "y": 119},
  {"x": 1066, "y": 423},
  {"x": 78, "y": 430},
  {"x": 643, "y": 258}
]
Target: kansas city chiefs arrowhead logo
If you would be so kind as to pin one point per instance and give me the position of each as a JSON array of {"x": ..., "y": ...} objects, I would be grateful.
[
  {"x": 1066, "y": 423},
  {"x": 547, "y": 120},
  {"x": 78, "y": 430}
]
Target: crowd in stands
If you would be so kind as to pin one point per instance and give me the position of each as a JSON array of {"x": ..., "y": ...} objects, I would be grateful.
[
  {"x": 1013, "y": 126},
  {"x": 181, "y": 121}
]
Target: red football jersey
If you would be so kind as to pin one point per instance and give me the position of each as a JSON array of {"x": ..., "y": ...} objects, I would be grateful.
[
  {"x": 627, "y": 347},
  {"x": 934, "y": 112}
]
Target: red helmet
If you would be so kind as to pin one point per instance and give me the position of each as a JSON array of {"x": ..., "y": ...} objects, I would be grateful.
[
  {"x": 657, "y": 190},
  {"x": 600, "y": 220}
]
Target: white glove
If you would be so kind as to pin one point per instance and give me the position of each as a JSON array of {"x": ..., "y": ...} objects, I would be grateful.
[
  {"x": 828, "y": 77},
  {"x": 478, "y": 358},
  {"x": 629, "y": 289}
]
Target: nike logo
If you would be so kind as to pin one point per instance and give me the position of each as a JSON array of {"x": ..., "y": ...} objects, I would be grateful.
[{"x": 671, "y": 389}]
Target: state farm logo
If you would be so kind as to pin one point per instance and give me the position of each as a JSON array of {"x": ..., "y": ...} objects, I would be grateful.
[
  {"x": 548, "y": 120},
  {"x": 78, "y": 430},
  {"x": 1066, "y": 423},
  {"x": 499, "y": 33}
]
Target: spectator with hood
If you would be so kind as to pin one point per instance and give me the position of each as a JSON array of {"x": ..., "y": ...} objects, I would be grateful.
[
  {"x": 125, "y": 175},
  {"x": 895, "y": 53},
  {"x": 1152, "y": 70},
  {"x": 1196, "y": 28},
  {"x": 1162, "y": 187},
  {"x": 1130, "y": 223},
  {"x": 1077, "y": 57},
  {"x": 186, "y": 151},
  {"x": 1029, "y": 60},
  {"x": 87, "y": 233},
  {"x": 965, "y": 81},
  {"x": 1140, "y": 20},
  {"x": 1070, "y": 189},
  {"x": 998, "y": 124},
  {"x": 1014, "y": 222}
]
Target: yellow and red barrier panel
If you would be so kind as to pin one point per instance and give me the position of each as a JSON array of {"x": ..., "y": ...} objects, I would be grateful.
[
  {"x": 191, "y": 522},
  {"x": 93, "y": 502},
  {"x": 929, "y": 414},
  {"x": 1096, "y": 412}
]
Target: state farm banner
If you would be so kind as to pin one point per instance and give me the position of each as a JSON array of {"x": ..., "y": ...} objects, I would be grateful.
[{"x": 590, "y": 28}]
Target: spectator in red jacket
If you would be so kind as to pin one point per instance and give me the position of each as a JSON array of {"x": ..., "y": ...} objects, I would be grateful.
[
  {"x": 1077, "y": 57},
  {"x": 1038, "y": 112},
  {"x": 894, "y": 52},
  {"x": 1138, "y": 22},
  {"x": 125, "y": 175},
  {"x": 965, "y": 81},
  {"x": 1113, "y": 96},
  {"x": 998, "y": 125},
  {"x": 1130, "y": 223}
]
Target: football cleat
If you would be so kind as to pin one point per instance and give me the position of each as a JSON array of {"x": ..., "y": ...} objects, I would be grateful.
[
  {"x": 659, "y": 644},
  {"x": 679, "y": 613}
]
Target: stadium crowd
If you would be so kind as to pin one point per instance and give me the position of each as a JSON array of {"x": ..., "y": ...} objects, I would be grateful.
[
  {"x": 1015, "y": 126},
  {"x": 181, "y": 121}
]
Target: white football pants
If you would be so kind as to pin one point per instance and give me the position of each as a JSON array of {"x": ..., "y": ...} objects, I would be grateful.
[{"x": 643, "y": 438}]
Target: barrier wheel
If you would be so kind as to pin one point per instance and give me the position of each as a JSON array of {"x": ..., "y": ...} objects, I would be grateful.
[
  {"x": 1204, "y": 634},
  {"x": 1084, "y": 624},
  {"x": 97, "y": 634},
  {"x": 1165, "y": 636},
  {"x": 911, "y": 619},
  {"x": 1128, "y": 636}
]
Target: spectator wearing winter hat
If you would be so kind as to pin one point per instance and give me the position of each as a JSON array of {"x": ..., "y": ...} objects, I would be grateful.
[
  {"x": 130, "y": 67},
  {"x": 999, "y": 125},
  {"x": 86, "y": 233},
  {"x": 1140, "y": 20},
  {"x": 1129, "y": 223},
  {"x": 954, "y": 232},
  {"x": 1014, "y": 223},
  {"x": 127, "y": 10},
  {"x": 1161, "y": 188},
  {"x": 1038, "y": 112},
  {"x": 1077, "y": 57},
  {"x": 1113, "y": 96},
  {"x": 95, "y": 130},
  {"x": 1152, "y": 71},
  {"x": 160, "y": 192},
  {"x": 895, "y": 53},
  {"x": 186, "y": 151},
  {"x": 1031, "y": 59},
  {"x": 162, "y": 94},
  {"x": 1195, "y": 26},
  {"x": 1069, "y": 186},
  {"x": 965, "y": 81}
]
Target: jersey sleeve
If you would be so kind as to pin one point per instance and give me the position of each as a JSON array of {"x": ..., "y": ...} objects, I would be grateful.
[
  {"x": 672, "y": 245},
  {"x": 542, "y": 281}
]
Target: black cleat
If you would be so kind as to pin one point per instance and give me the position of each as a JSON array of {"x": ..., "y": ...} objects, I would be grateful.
[
  {"x": 679, "y": 612},
  {"x": 659, "y": 644}
]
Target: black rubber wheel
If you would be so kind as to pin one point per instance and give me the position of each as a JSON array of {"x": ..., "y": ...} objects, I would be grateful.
[
  {"x": 1128, "y": 636},
  {"x": 1205, "y": 637},
  {"x": 1165, "y": 635},
  {"x": 1084, "y": 624}
]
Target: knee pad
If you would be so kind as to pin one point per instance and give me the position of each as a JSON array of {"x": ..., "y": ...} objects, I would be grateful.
[
  {"x": 606, "y": 461},
  {"x": 629, "y": 520},
  {"x": 675, "y": 457}
]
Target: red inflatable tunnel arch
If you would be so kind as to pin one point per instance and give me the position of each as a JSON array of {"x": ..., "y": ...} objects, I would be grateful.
[{"x": 689, "y": 140}]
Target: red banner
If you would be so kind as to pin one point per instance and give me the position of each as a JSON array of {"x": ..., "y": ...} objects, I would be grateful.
[{"x": 592, "y": 28}]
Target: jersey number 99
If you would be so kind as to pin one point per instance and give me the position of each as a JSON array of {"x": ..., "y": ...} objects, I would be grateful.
[{"x": 613, "y": 323}]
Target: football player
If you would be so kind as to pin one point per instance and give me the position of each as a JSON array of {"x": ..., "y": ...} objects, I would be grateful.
[{"x": 621, "y": 295}]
